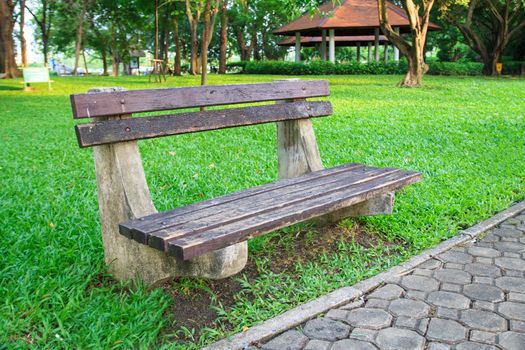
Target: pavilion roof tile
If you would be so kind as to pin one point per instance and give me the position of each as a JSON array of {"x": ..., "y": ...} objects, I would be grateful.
[{"x": 349, "y": 14}]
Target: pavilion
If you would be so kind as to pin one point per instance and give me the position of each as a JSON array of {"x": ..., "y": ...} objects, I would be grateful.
[
  {"x": 341, "y": 41},
  {"x": 347, "y": 18}
]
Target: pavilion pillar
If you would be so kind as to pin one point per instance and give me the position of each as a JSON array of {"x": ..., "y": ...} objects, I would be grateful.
[
  {"x": 331, "y": 34},
  {"x": 297, "y": 47},
  {"x": 323, "y": 45},
  {"x": 396, "y": 50},
  {"x": 369, "y": 51},
  {"x": 358, "y": 51},
  {"x": 386, "y": 52},
  {"x": 376, "y": 42}
]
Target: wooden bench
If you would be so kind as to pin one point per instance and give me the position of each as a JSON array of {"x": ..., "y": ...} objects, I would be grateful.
[{"x": 209, "y": 238}]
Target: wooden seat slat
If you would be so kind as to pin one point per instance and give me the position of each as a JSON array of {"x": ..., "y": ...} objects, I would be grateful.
[
  {"x": 258, "y": 204},
  {"x": 138, "y": 101},
  {"x": 129, "y": 129},
  {"x": 246, "y": 202},
  {"x": 166, "y": 219},
  {"x": 188, "y": 247},
  {"x": 185, "y": 231}
]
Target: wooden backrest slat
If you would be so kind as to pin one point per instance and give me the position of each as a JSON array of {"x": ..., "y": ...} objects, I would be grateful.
[
  {"x": 137, "y": 101},
  {"x": 118, "y": 130}
]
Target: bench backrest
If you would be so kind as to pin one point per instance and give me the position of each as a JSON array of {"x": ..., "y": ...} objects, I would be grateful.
[{"x": 123, "y": 104}]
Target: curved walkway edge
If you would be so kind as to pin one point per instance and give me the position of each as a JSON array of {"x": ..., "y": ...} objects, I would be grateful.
[{"x": 328, "y": 331}]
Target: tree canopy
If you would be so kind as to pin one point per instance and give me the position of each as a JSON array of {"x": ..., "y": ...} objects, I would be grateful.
[{"x": 173, "y": 30}]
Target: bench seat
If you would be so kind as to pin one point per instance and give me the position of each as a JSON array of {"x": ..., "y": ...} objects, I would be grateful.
[{"x": 203, "y": 227}]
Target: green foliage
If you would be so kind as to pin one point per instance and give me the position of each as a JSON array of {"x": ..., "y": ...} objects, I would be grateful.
[
  {"x": 237, "y": 67},
  {"x": 454, "y": 68},
  {"x": 322, "y": 68},
  {"x": 461, "y": 133},
  {"x": 513, "y": 67},
  {"x": 354, "y": 68}
]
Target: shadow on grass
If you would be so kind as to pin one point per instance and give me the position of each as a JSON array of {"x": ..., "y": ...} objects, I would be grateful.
[
  {"x": 10, "y": 88},
  {"x": 196, "y": 302}
]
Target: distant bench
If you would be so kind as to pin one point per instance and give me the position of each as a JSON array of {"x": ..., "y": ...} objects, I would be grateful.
[
  {"x": 36, "y": 75},
  {"x": 208, "y": 239}
]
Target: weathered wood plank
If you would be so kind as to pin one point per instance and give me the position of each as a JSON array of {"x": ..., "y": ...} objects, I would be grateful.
[
  {"x": 136, "y": 101},
  {"x": 256, "y": 205},
  {"x": 274, "y": 196},
  {"x": 107, "y": 132},
  {"x": 189, "y": 247},
  {"x": 165, "y": 219}
]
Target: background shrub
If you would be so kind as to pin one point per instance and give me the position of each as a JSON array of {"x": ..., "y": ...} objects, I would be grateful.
[{"x": 372, "y": 68}]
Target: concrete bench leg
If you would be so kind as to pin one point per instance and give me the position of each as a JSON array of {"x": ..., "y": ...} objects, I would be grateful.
[
  {"x": 123, "y": 195},
  {"x": 298, "y": 154}
]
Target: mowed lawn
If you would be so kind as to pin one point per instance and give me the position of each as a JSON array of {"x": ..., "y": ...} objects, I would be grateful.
[{"x": 466, "y": 135}]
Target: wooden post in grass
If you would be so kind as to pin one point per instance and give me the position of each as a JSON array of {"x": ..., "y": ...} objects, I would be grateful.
[{"x": 123, "y": 195}]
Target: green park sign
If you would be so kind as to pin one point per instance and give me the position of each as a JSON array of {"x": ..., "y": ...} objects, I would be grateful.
[{"x": 36, "y": 75}]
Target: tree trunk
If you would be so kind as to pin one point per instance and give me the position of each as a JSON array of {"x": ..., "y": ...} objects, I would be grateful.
[
  {"x": 178, "y": 48},
  {"x": 114, "y": 52},
  {"x": 85, "y": 61},
  {"x": 253, "y": 42},
  {"x": 205, "y": 42},
  {"x": 79, "y": 35},
  {"x": 416, "y": 65},
  {"x": 414, "y": 51},
  {"x": 23, "y": 43},
  {"x": 194, "y": 41},
  {"x": 115, "y": 66},
  {"x": 243, "y": 49},
  {"x": 44, "y": 25},
  {"x": 45, "y": 49},
  {"x": 2, "y": 52},
  {"x": 7, "y": 44},
  {"x": 224, "y": 37},
  {"x": 194, "y": 59},
  {"x": 104, "y": 62},
  {"x": 166, "y": 37},
  {"x": 156, "y": 40},
  {"x": 489, "y": 66}
]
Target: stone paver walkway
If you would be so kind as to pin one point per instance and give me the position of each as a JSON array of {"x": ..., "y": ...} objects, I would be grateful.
[{"x": 468, "y": 298}]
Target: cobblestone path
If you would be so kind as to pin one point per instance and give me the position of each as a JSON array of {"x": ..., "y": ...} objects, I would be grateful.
[{"x": 468, "y": 298}]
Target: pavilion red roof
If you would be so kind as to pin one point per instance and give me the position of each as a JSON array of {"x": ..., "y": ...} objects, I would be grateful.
[{"x": 355, "y": 17}]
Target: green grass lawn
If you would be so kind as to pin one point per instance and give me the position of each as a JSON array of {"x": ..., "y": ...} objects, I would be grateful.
[{"x": 466, "y": 135}]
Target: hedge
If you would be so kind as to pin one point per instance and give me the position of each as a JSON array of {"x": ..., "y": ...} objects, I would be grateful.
[{"x": 349, "y": 68}]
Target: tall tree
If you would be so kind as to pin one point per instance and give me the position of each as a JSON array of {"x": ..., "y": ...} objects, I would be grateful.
[
  {"x": 43, "y": 16},
  {"x": 250, "y": 20},
  {"x": 210, "y": 13},
  {"x": 7, "y": 45},
  {"x": 99, "y": 39},
  {"x": 223, "y": 46},
  {"x": 177, "y": 11},
  {"x": 244, "y": 24},
  {"x": 23, "y": 42},
  {"x": 418, "y": 14},
  {"x": 194, "y": 11},
  {"x": 488, "y": 26},
  {"x": 156, "y": 35},
  {"x": 79, "y": 32}
]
